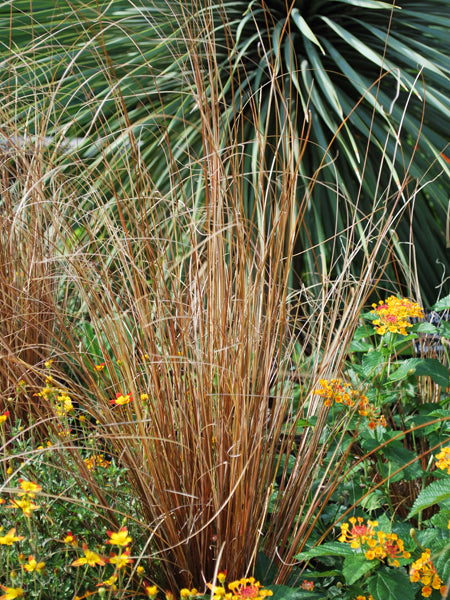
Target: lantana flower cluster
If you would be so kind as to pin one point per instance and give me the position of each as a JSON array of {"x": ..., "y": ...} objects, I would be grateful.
[
  {"x": 241, "y": 589},
  {"x": 340, "y": 392},
  {"x": 393, "y": 314},
  {"x": 375, "y": 544},
  {"x": 423, "y": 571},
  {"x": 443, "y": 459}
]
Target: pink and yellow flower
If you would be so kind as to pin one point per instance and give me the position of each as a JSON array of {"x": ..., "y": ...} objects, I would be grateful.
[
  {"x": 443, "y": 459},
  {"x": 393, "y": 314}
]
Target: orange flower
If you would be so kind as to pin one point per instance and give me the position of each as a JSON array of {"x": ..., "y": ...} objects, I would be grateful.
[
  {"x": 25, "y": 505},
  {"x": 4, "y": 416},
  {"x": 443, "y": 459},
  {"x": 100, "y": 367}
]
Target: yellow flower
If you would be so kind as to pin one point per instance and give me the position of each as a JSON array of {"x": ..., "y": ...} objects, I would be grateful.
[
  {"x": 29, "y": 488},
  {"x": 393, "y": 314},
  {"x": 248, "y": 588},
  {"x": 90, "y": 558},
  {"x": 70, "y": 539},
  {"x": 122, "y": 399},
  {"x": 120, "y": 560},
  {"x": 33, "y": 565},
  {"x": 110, "y": 582},
  {"x": 10, "y": 538},
  {"x": 140, "y": 570},
  {"x": 25, "y": 505},
  {"x": 4, "y": 416},
  {"x": 11, "y": 593},
  {"x": 121, "y": 538},
  {"x": 443, "y": 459},
  {"x": 150, "y": 590}
]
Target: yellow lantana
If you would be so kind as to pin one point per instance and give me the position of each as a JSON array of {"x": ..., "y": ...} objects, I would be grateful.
[{"x": 393, "y": 315}]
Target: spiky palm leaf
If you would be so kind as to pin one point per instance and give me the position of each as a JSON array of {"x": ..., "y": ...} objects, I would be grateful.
[{"x": 117, "y": 76}]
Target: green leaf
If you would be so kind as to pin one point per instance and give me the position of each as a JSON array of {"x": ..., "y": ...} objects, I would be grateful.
[
  {"x": 442, "y": 304},
  {"x": 284, "y": 592},
  {"x": 438, "y": 372},
  {"x": 327, "y": 549},
  {"x": 404, "y": 368},
  {"x": 426, "y": 327},
  {"x": 305, "y": 28},
  {"x": 355, "y": 567},
  {"x": 372, "y": 363},
  {"x": 391, "y": 584},
  {"x": 433, "y": 494}
]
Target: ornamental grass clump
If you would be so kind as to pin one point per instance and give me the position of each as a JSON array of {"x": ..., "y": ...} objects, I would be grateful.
[{"x": 166, "y": 302}]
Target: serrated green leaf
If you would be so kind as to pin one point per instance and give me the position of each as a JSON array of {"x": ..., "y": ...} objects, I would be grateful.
[
  {"x": 433, "y": 494},
  {"x": 327, "y": 549},
  {"x": 444, "y": 329},
  {"x": 355, "y": 567},
  {"x": 438, "y": 372},
  {"x": 392, "y": 584},
  {"x": 372, "y": 363},
  {"x": 442, "y": 304},
  {"x": 426, "y": 327},
  {"x": 441, "y": 560},
  {"x": 404, "y": 369}
]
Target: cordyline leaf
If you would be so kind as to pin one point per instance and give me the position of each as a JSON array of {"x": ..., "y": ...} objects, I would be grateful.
[{"x": 436, "y": 492}]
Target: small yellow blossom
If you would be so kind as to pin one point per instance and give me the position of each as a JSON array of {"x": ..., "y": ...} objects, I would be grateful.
[
  {"x": 33, "y": 565},
  {"x": 25, "y": 505},
  {"x": 121, "y": 538},
  {"x": 10, "y": 538},
  {"x": 90, "y": 558},
  {"x": 122, "y": 399},
  {"x": 4, "y": 416},
  {"x": 11, "y": 593},
  {"x": 424, "y": 571},
  {"x": 29, "y": 488},
  {"x": 70, "y": 539},
  {"x": 108, "y": 582},
  {"x": 120, "y": 560},
  {"x": 150, "y": 590}
]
